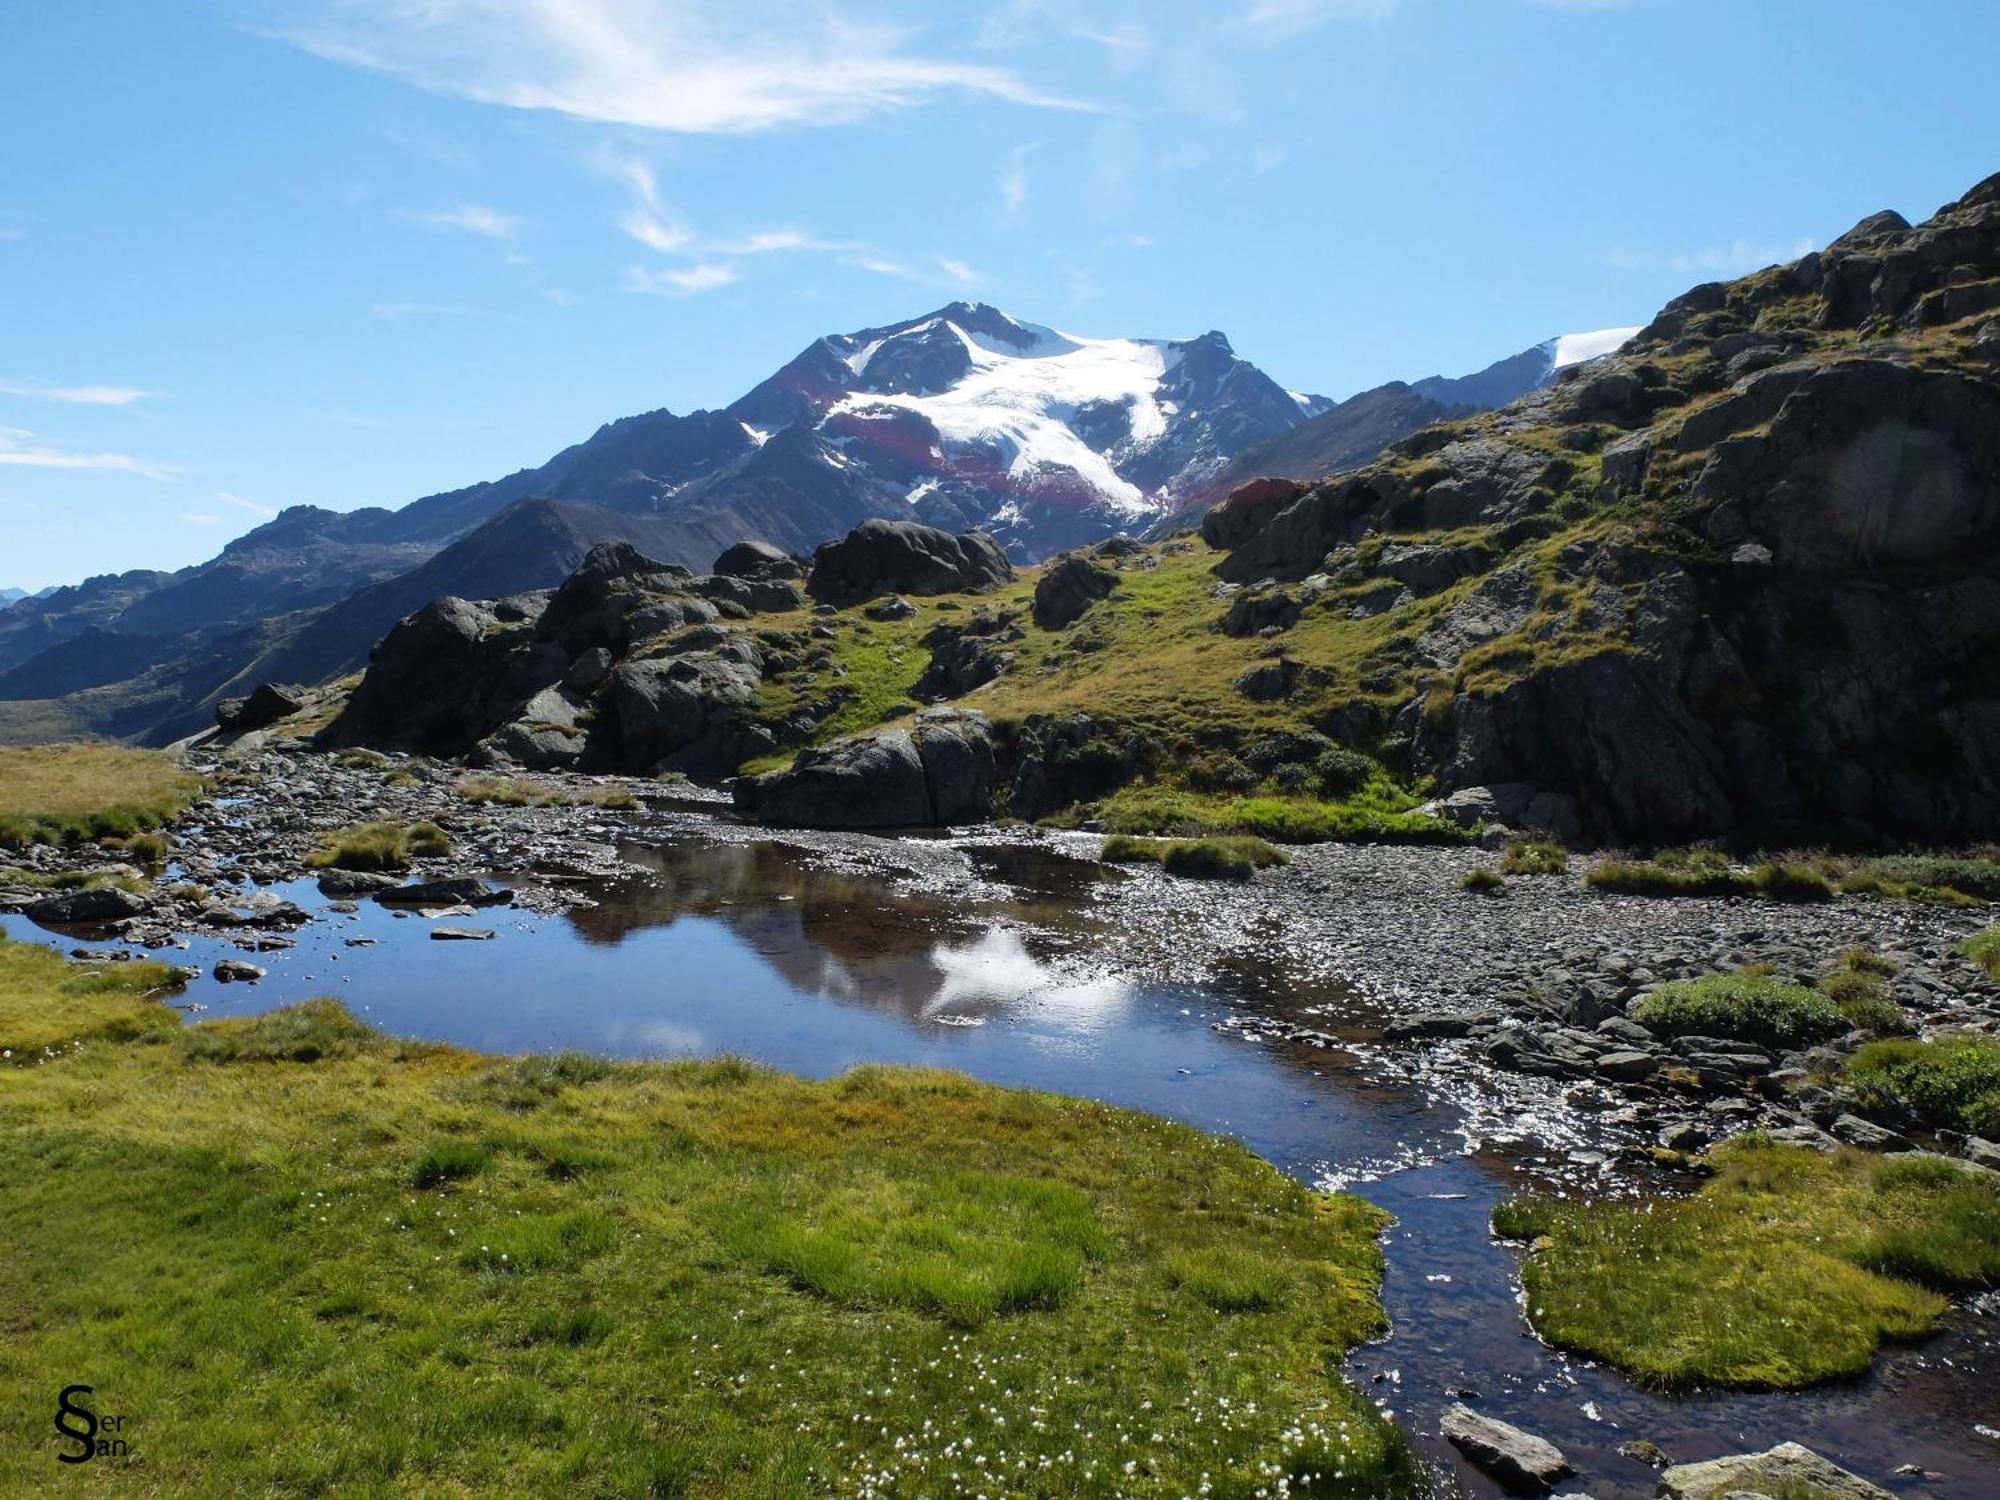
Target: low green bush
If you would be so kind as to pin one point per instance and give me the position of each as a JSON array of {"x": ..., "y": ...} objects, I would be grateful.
[
  {"x": 1933, "y": 876},
  {"x": 1483, "y": 881},
  {"x": 1791, "y": 882},
  {"x": 1742, "y": 1007},
  {"x": 1236, "y": 858},
  {"x": 1858, "y": 995},
  {"x": 1658, "y": 878},
  {"x": 379, "y": 847},
  {"x": 454, "y": 1161},
  {"x": 1983, "y": 948},
  {"x": 306, "y": 1032},
  {"x": 1949, "y": 1082},
  {"x": 1534, "y": 857}
]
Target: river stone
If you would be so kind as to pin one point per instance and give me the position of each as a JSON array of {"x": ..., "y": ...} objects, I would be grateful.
[
  {"x": 463, "y": 934},
  {"x": 236, "y": 971},
  {"x": 1627, "y": 1067},
  {"x": 1523, "y": 1463},
  {"x": 105, "y": 903},
  {"x": 457, "y": 890},
  {"x": 1786, "y": 1470},
  {"x": 356, "y": 882}
]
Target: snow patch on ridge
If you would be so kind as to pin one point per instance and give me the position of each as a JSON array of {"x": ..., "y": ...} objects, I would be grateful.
[
  {"x": 1574, "y": 348},
  {"x": 1018, "y": 403}
]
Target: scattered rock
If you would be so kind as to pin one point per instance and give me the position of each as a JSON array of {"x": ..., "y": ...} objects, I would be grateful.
[
  {"x": 236, "y": 971},
  {"x": 1788, "y": 1469},
  {"x": 1523, "y": 1463},
  {"x": 1068, "y": 587},
  {"x": 456, "y": 890},
  {"x": 104, "y": 903},
  {"x": 462, "y": 934}
]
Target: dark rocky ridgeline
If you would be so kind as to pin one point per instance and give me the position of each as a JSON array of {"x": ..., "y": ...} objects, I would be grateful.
[
  {"x": 1739, "y": 577},
  {"x": 641, "y": 666}
]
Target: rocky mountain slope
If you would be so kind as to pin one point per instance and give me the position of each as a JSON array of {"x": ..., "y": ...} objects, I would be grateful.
[
  {"x": 964, "y": 417},
  {"x": 1738, "y": 578}
]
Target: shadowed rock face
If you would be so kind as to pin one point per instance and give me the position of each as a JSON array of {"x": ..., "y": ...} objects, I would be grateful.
[
  {"x": 637, "y": 665},
  {"x": 940, "y": 771},
  {"x": 901, "y": 557},
  {"x": 1780, "y": 602}
]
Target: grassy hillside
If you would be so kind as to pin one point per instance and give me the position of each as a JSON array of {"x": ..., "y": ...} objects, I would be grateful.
[
  {"x": 68, "y": 793},
  {"x": 298, "y": 1255}
]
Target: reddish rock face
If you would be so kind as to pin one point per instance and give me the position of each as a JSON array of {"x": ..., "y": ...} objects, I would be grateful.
[{"x": 1246, "y": 510}]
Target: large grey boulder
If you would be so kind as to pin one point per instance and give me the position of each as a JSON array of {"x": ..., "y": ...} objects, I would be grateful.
[
  {"x": 106, "y": 903},
  {"x": 1068, "y": 587},
  {"x": 1786, "y": 1471},
  {"x": 901, "y": 557},
  {"x": 756, "y": 560},
  {"x": 688, "y": 712},
  {"x": 443, "y": 679},
  {"x": 1523, "y": 1463},
  {"x": 1247, "y": 510},
  {"x": 940, "y": 770},
  {"x": 263, "y": 708}
]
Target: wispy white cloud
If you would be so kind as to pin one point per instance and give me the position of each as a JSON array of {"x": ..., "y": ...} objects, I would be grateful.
[
  {"x": 12, "y": 232},
  {"x": 936, "y": 270},
  {"x": 645, "y": 220},
  {"x": 1732, "y": 259},
  {"x": 473, "y": 218},
  {"x": 676, "y": 65},
  {"x": 241, "y": 504},
  {"x": 1282, "y": 18},
  {"x": 1127, "y": 40},
  {"x": 200, "y": 518},
  {"x": 1014, "y": 179},
  {"x": 20, "y": 448},
  {"x": 682, "y": 281},
  {"x": 76, "y": 395}
]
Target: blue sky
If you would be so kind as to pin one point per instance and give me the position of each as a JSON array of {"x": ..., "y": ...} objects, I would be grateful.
[{"x": 256, "y": 253}]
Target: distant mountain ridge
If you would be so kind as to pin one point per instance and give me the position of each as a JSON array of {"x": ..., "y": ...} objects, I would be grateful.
[{"x": 964, "y": 418}]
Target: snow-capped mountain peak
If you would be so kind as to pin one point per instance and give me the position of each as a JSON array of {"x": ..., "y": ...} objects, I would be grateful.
[{"x": 1044, "y": 436}]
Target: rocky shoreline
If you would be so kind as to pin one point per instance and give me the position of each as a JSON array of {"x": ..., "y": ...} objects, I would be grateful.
[{"x": 1371, "y": 949}]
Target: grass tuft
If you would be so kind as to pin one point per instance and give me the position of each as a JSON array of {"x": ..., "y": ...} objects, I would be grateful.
[
  {"x": 1788, "y": 1268},
  {"x": 1949, "y": 1082},
  {"x": 1483, "y": 882},
  {"x": 1983, "y": 948},
  {"x": 1534, "y": 857},
  {"x": 1201, "y": 859},
  {"x": 1742, "y": 1007},
  {"x": 380, "y": 847}
]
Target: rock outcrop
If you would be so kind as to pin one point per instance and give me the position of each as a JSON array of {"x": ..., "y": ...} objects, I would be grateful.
[
  {"x": 901, "y": 557},
  {"x": 941, "y": 770},
  {"x": 1068, "y": 587},
  {"x": 1742, "y": 575}
]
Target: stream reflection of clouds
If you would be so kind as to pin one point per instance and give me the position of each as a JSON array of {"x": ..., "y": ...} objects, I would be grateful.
[{"x": 996, "y": 972}]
